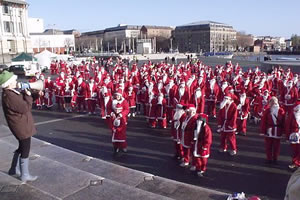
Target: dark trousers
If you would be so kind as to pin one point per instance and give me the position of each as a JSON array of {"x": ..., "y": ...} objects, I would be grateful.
[{"x": 24, "y": 147}]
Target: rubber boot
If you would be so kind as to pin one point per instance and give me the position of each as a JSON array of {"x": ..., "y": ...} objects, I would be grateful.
[
  {"x": 15, "y": 165},
  {"x": 25, "y": 175}
]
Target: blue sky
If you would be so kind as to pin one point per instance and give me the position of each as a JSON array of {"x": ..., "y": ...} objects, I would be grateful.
[{"x": 257, "y": 17}]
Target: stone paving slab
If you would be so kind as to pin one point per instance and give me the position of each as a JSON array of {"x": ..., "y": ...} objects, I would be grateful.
[
  {"x": 95, "y": 166},
  {"x": 114, "y": 191},
  {"x": 12, "y": 189},
  {"x": 177, "y": 190}
]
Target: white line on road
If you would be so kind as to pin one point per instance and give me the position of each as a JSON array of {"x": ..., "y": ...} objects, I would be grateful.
[{"x": 57, "y": 120}]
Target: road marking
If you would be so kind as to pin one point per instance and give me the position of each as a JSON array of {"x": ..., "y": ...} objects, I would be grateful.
[{"x": 57, "y": 120}]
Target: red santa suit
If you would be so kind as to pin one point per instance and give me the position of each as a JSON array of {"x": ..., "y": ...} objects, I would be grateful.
[
  {"x": 202, "y": 141},
  {"x": 59, "y": 99},
  {"x": 188, "y": 124},
  {"x": 131, "y": 98},
  {"x": 81, "y": 94},
  {"x": 212, "y": 92},
  {"x": 289, "y": 97},
  {"x": 118, "y": 126},
  {"x": 152, "y": 106},
  {"x": 161, "y": 111},
  {"x": 292, "y": 130},
  {"x": 227, "y": 118},
  {"x": 122, "y": 101},
  {"x": 170, "y": 88},
  {"x": 104, "y": 98},
  {"x": 175, "y": 130},
  {"x": 198, "y": 99},
  {"x": 272, "y": 124},
  {"x": 91, "y": 96},
  {"x": 49, "y": 87},
  {"x": 243, "y": 109},
  {"x": 181, "y": 96},
  {"x": 260, "y": 104}
]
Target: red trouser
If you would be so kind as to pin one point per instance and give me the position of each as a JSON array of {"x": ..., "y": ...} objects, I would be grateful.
[
  {"x": 272, "y": 146},
  {"x": 170, "y": 113},
  {"x": 241, "y": 125},
  {"x": 121, "y": 145},
  {"x": 91, "y": 105},
  {"x": 152, "y": 123},
  {"x": 200, "y": 163},
  {"x": 178, "y": 149},
  {"x": 186, "y": 154},
  {"x": 230, "y": 137},
  {"x": 80, "y": 101},
  {"x": 296, "y": 154},
  {"x": 162, "y": 123},
  {"x": 211, "y": 108}
]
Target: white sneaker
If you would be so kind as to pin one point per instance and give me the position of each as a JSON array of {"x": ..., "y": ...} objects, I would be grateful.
[
  {"x": 222, "y": 150},
  {"x": 232, "y": 153},
  {"x": 133, "y": 114},
  {"x": 184, "y": 164},
  {"x": 193, "y": 168},
  {"x": 200, "y": 173}
]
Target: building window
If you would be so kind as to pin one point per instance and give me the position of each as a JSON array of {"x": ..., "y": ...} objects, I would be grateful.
[
  {"x": 6, "y": 9},
  {"x": 11, "y": 45},
  {"x": 21, "y": 28},
  {"x": 7, "y": 27}
]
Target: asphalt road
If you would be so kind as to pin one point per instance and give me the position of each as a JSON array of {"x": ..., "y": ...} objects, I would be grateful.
[{"x": 151, "y": 150}]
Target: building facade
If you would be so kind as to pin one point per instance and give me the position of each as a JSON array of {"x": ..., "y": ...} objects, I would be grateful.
[
  {"x": 14, "y": 35},
  {"x": 204, "y": 36},
  {"x": 124, "y": 38},
  {"x": 55, "y": 41}
]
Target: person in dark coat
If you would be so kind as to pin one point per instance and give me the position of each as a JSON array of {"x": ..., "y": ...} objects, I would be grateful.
[{"x": 16, "y": 106}]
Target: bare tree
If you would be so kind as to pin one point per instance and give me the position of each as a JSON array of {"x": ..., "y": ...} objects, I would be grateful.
[
  {"x": 244, "y": 40},
  {"x": 68, "y": 43}
]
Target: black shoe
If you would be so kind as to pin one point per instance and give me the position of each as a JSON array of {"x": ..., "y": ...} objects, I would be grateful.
[
  {"x": 124, "y": 150},
  {"x": 275, "y": 162},
  {"x": 268, "y": 162}
]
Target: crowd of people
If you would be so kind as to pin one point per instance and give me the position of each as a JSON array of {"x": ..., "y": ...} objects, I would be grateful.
[{"x": 182, "y": 96}]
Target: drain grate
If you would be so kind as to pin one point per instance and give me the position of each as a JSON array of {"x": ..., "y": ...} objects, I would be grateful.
[{"x": 9, "y": 189}]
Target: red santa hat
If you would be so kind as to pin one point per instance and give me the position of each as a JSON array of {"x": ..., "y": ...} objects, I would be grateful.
[
  {"x": 119, "y": 92},
  {"x": 191, "y": 107}
]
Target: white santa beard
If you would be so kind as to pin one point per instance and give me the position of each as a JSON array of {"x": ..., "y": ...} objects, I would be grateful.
[
  {"x": 178, "y": 114},
  {"x": 247, "y": 82},
  {"x": 79, "y": 82},
  {"x": 181, "y": 91},
  {"x": 212, "y": 85},
  {"x": 242, "y": 100},
  {"x": 224, "y": 87},
  {"x": 224, "y": 103},
  {"x": 198, "y": 94}
]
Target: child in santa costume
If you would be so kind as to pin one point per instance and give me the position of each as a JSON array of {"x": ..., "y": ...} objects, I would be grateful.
[
  {"x": 118, "y": 127},
  {"x": 272, "y": 127}
]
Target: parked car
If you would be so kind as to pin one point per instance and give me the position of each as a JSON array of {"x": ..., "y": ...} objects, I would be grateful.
[
  {"x": 17, "y": 69},
  {"x": 3, "y": 67}
]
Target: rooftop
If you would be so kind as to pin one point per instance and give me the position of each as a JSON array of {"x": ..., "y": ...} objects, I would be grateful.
[{"x": 16, "y": 1}]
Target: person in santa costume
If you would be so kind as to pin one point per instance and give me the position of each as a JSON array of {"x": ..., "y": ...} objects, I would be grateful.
[
  {"x": 260, "y": 104},
  {"x": 119, "y": 99},
  {"x": 212, "y": 93},
  {"x": 175, "y": 130},
  {"x": 81, "y": 94},
  {"x": 161, "y": 111},
  {"x": 243, "y": 109},
  {"x": 289, "y": 97},
  {"x": 131, "y": 98},
  {"x": 118, "y": 126},
  {"x": 152, "y": 107},
  {"x": 272, "y": 127},
  {"x": 198, "y": 99},
  {"x": 201, "y": 144},
  {"x": 48, "y": 94},
  {"x": 187, "y": 125},
  {"x": 170, "y": 88},
  {"x": 68, "y": 90},
  {"x": 292, "y": 131},
  {"x": 91, "y": 96},
  {"x": 181, "y": 95},
  {"x": 104, "y": 98},
  {"x": 227, "y": 118}
]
